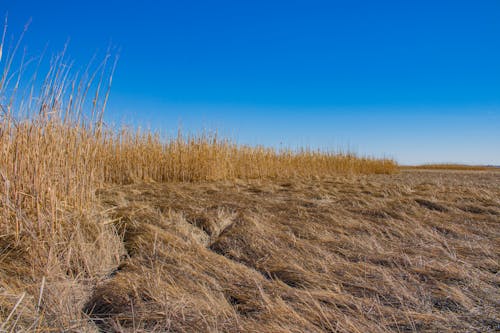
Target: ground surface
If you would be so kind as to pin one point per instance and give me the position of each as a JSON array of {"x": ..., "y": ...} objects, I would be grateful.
[{"x": 415, "y": 251}]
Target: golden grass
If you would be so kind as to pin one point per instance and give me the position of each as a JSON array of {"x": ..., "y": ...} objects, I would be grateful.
[{"x": 132, "y": 157}]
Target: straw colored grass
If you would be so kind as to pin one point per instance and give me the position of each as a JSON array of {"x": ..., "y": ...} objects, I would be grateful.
[{"x": 412, "y": 252}]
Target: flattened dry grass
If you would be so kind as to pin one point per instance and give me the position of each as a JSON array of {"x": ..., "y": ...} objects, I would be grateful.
[{"x": 418, "y": 251}]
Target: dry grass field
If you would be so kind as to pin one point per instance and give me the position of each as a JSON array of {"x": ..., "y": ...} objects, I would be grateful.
[
  {"x": 417, "y": 251},
  {"x": 106, "y": 230}
]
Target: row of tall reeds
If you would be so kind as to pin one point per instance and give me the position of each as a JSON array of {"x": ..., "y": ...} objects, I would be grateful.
[{"x": 55, "y": 146}]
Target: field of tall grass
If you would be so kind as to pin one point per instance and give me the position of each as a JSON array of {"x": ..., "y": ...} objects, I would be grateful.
[{"x": 56, "y": 152}]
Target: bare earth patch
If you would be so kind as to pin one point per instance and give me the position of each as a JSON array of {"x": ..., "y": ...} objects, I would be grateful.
[{"x": 416, "y": 251}]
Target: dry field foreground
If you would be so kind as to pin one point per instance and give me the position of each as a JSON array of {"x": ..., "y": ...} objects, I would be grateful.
[{"x": 415, "y": 251}]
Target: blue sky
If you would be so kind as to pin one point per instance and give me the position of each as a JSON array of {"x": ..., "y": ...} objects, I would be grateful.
[{"x": 415, "y": 80}]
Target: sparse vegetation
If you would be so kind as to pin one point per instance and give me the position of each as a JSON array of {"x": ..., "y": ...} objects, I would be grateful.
[
  {"x": 117, "y": 231},
  {"x": 451, "y": 166}
]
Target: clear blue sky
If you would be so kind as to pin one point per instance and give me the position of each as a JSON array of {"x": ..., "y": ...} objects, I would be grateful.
[{"x": 415, "y": 80}]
